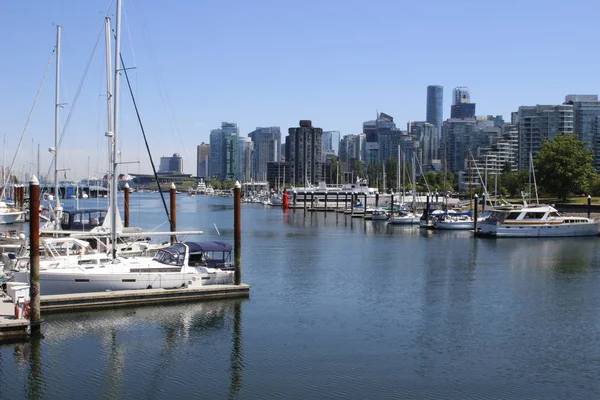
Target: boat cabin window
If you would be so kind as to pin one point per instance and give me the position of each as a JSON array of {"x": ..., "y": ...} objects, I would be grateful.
[
  {"x": 513, "y": 215},
  {"x": 554, "y": 214},
  {"x": 534, "y": 215}
]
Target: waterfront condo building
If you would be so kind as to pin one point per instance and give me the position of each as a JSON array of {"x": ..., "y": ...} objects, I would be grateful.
[
  {"x": 244, "y": 161},
  {"x": 586, "y": 122},
  {"x": 203, "y": 152},
  {"x": 223, "y": 152},
  {"x": 536, "y": 123},
  {"x": 304, "y": 151},
  {"x": 266, "y": 149}
]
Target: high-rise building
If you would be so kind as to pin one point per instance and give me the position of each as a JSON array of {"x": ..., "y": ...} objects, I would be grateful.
[
  {"x": 461, "y": 95},
  {"x": 586, "y": 122},
  {"x": 536, "y": 123},
  {"x": 435, "y": 107},
  {"x": 203, "y": 152},
  {"x": 331, "y": 143},
  {"x": 462, "y": 110},
  {"x": 171, "y": 165},
  {"x": 244, "y": 160},
  {"x": 304, "y": 147},
  {"x": 461, "y": 104},
  {"x": 426, "y": 134},
  {"x": 267, "y": 148},
  {"x": 351, "y": 150},
  {"x": 223, "y": 152}
]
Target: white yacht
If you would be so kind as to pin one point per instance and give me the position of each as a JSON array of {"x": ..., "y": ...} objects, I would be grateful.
[
  {"x": 535, "y": 220},
  {"x": 180, "y": 265}
]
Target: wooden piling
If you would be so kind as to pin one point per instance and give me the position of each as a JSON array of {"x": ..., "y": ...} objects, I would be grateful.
[
  {"x": 126, "y": 201},
  {"x": 34, "y": 255},
  {"x": 237, "y": 231},
  {"x": 173, "y": 201},
  {"x": 589, "y": 206},
  {"x": 475, "y": 214},
  {"x": 483, "y": 203}
]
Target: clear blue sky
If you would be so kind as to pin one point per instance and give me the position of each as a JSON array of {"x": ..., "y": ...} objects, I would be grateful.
[{"x": 264, "y": 63}]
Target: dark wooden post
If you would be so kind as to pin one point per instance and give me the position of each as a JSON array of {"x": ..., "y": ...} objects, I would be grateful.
[
  {"x": 325, "y": 204},
  {"x": 173, "y": 203},
  {"x": 475, "y": 214},
  {"x": 483, "y": 203},
  {"x": 365, "y": 207},
  {"x": 126, "y": 201},
  {"x": 34, "y": 254},
  {"x": 589, "y": 206},
  {"x": 377, "y": 199},
  {"x": 237, "y": 231},
  {"x": 392, "y": 206}
]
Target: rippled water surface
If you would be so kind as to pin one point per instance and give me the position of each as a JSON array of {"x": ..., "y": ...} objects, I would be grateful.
[{"x": 339, "y": 308}]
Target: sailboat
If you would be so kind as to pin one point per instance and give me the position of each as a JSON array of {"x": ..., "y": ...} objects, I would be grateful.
[
  {"x": 179, "y": 265},
  {"x": 403, "y": 215}
]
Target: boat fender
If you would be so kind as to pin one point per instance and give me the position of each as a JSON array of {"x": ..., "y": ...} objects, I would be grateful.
[
  {"x": 17, "y": 311},
  {"x": 26, "y": 310}
]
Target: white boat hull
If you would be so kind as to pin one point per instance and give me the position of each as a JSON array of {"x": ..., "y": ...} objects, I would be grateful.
[
  {"x": 546, "y": 230},
  {"x": 403, "y": 221},
  {"x": 10, "y": 217},
  {"x": 453, "y": 225},
  {"x": 70, "y": 281}
]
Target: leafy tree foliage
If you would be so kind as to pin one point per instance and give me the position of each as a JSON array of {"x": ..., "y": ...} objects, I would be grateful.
[
  {"x": 513, "y": 183},
  {"x": 564, "y": 165}
]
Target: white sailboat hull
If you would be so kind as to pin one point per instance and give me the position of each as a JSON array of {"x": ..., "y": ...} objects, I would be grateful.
[
  {"x": 74, "y": 281},
  {"x": 453, "y": 225}
]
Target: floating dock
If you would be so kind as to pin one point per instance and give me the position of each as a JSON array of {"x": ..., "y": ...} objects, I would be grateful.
[
  {"x": 12, "y": 329},
  {"x": 121, "y": 298}
]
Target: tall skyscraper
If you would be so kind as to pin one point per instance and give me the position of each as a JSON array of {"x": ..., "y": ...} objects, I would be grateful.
[
  {"x": 435, "y": 107},
  {"x": 266, "y": 148},
  {"x": 223, "y": 152},
  {"x": 202, "y": 161},
  {"x": 305, "y": 152},
  {"x": 244, "y": 160}
]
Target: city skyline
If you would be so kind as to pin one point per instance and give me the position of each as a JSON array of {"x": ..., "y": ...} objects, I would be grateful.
[{"x": 183, "y": 92}]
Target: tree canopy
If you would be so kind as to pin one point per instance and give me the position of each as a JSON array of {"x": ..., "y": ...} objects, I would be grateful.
[{"x": 564, "y": 165}]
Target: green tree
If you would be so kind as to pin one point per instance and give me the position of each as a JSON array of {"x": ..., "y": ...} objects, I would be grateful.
[
  {"x": 513, "y": 183},
  {"x": 564, "y": 165}
]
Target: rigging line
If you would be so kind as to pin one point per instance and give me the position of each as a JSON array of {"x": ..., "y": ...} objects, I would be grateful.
[
  {"x": 137, "y": 112},
  {"x": 37, "y": 95}
]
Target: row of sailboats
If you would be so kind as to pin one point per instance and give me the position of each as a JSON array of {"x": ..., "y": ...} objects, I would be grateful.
[{"x": 72, "y": 266}]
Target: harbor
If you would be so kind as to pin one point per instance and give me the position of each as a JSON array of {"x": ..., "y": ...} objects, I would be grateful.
[{"x": 338, "y": 304}]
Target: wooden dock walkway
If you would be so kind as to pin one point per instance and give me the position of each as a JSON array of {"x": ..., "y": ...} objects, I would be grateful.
[{"x": 12, "y": 329}]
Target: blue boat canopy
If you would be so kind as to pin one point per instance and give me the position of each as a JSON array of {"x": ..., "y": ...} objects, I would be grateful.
[{"x": 196, "y": 247}]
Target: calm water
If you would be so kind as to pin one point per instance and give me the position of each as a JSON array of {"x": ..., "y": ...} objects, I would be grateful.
[{"x": 339, "y": 308}]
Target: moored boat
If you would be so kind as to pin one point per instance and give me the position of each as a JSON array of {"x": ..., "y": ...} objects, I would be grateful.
[{"x": 535, "y": 220}]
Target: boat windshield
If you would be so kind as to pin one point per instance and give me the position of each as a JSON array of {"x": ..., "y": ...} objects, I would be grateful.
[{"x": 173, "y": 255}]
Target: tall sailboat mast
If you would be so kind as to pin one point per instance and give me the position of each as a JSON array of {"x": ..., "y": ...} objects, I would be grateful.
[
  {"x": 113, "y": 193},
  {"x": 56, "y": 127}
]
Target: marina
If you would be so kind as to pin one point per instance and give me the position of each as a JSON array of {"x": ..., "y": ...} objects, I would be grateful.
[{"x": 372, "y": 310}]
